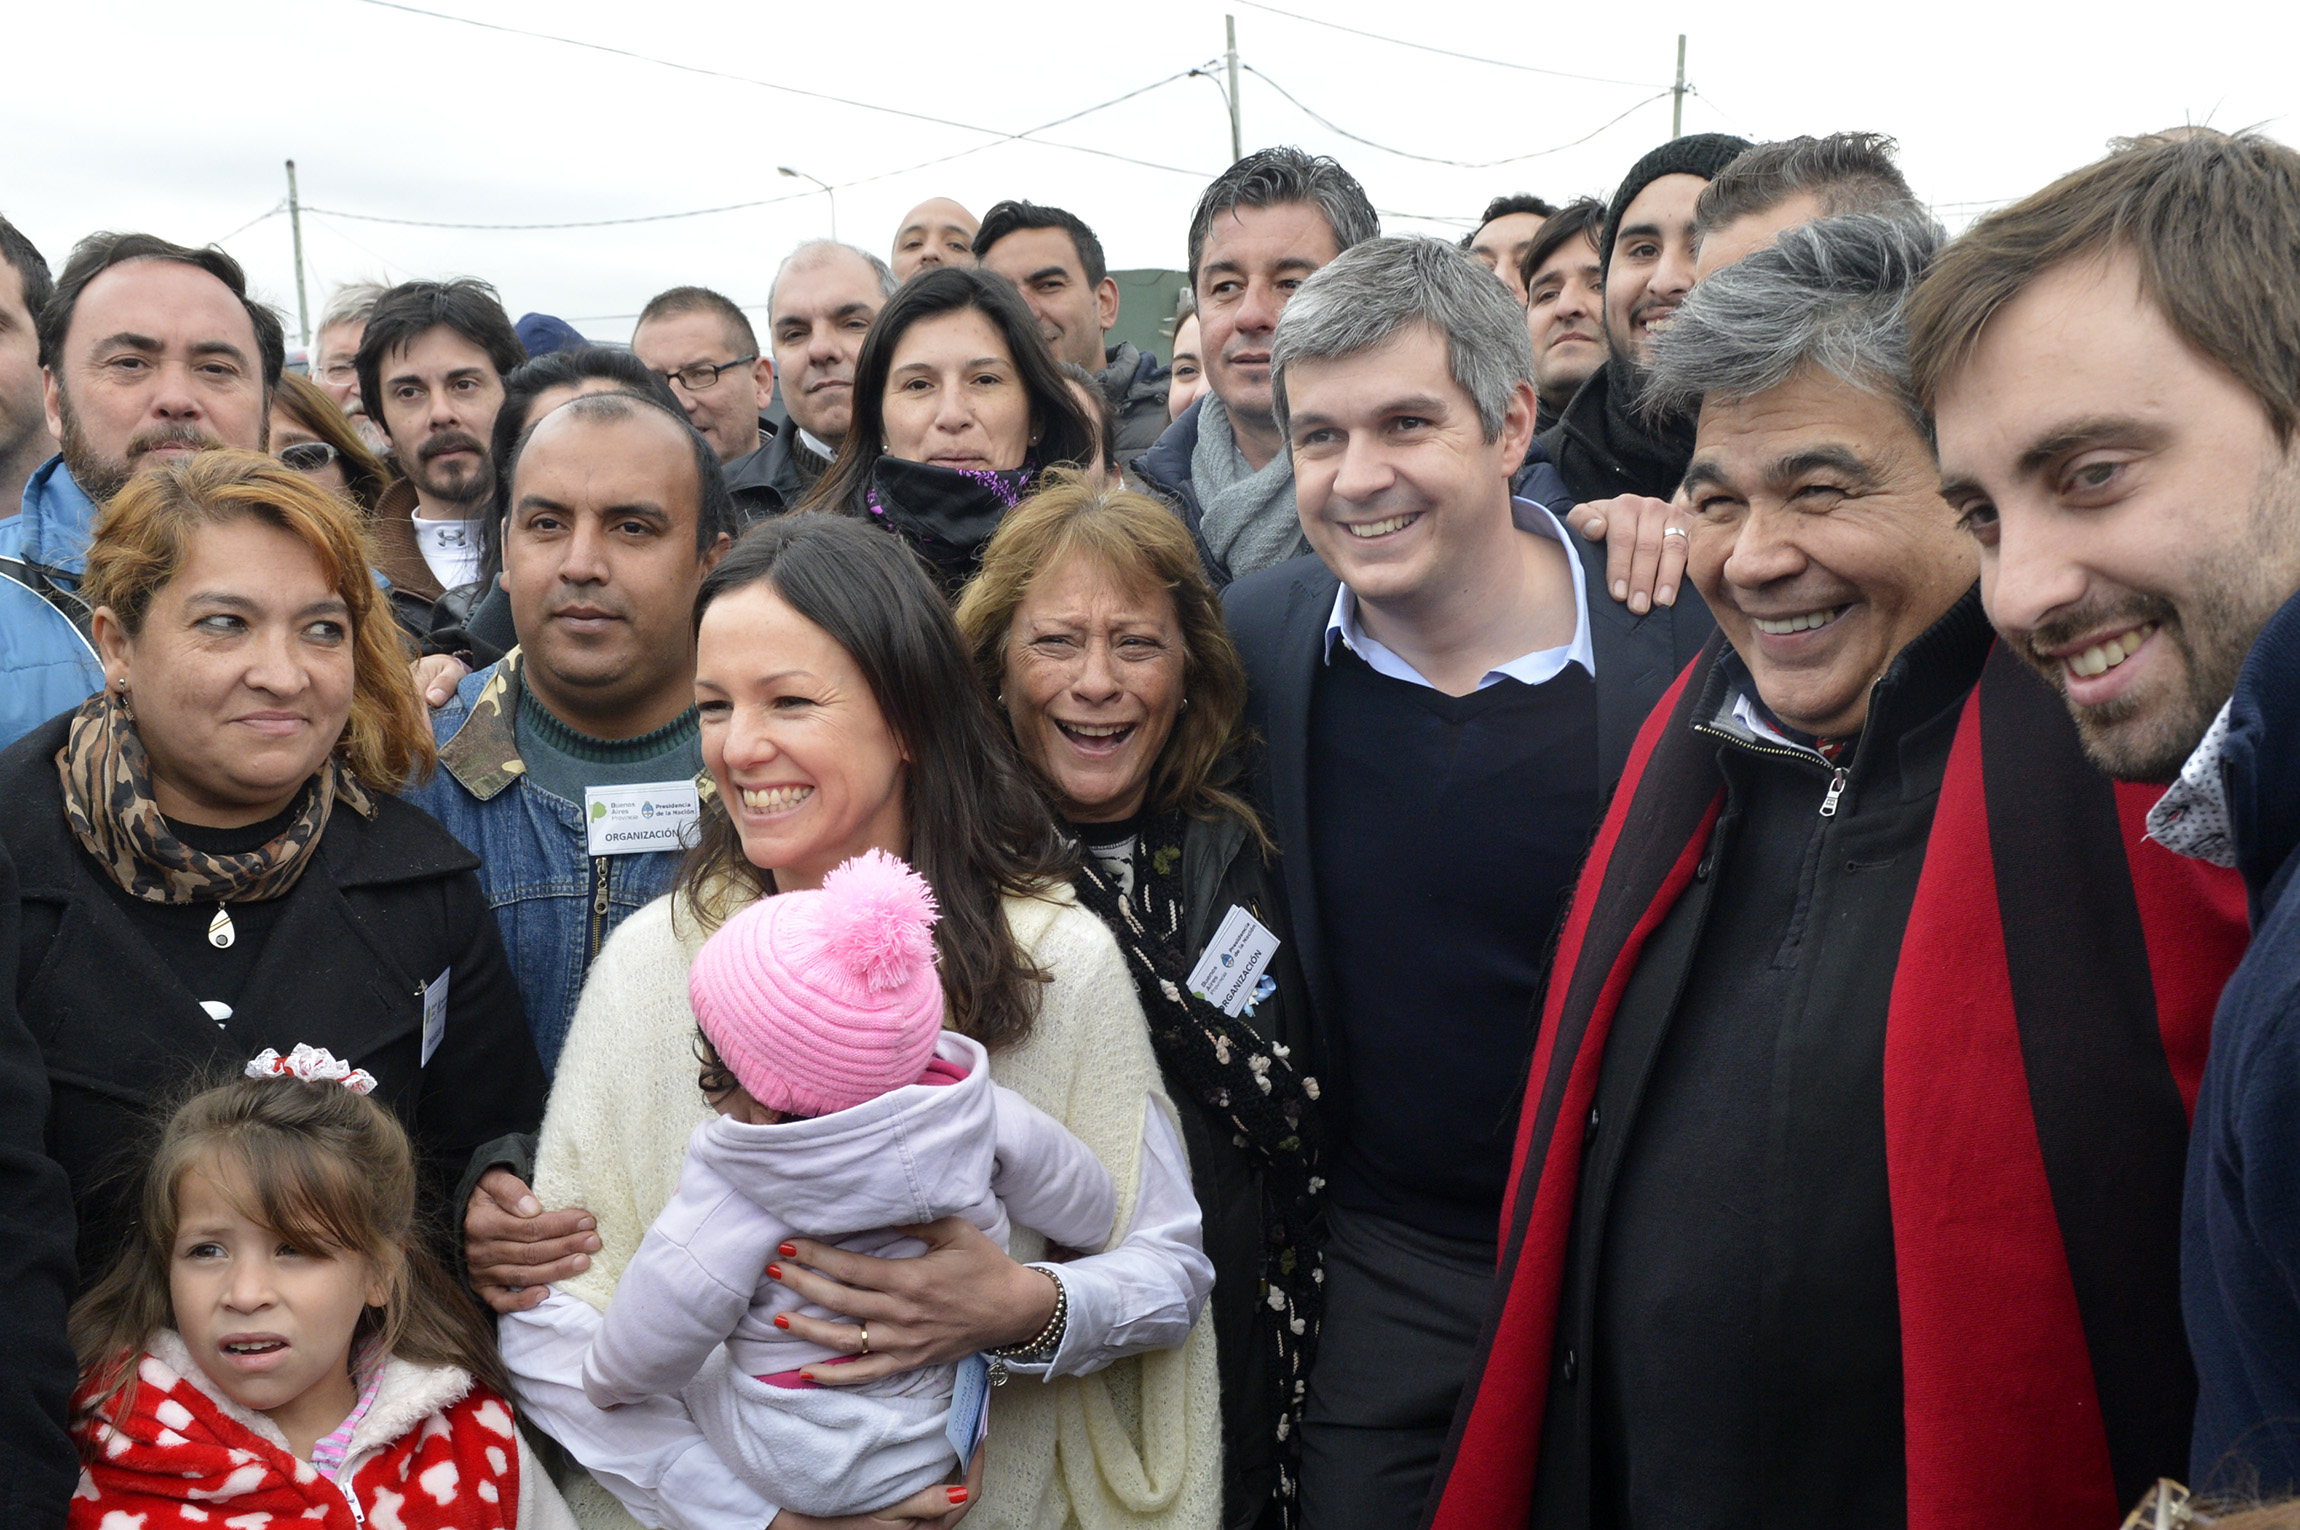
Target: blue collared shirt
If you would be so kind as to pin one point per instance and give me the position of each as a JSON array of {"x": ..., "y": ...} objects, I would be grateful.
[{"x": 1530, "y": 669}]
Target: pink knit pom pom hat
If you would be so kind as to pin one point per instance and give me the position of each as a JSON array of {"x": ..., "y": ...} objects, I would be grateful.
[{"x": 819, "y": 1001}]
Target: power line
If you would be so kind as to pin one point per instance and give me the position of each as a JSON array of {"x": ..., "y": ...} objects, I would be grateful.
[
  {"x": 1430, "y": 159},
  {"x": 272, "y": 212},
  {"x": 795, "y": 90},
  {"x": 701, "y": 212},
  {"x": 1399, "y": 42}
]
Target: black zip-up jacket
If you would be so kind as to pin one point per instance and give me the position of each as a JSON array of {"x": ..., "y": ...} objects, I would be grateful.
[{"x": 1730, "y": 1314}]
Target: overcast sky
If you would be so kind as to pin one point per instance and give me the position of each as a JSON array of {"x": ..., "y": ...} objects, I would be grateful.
[{"x": 130, "y": 114}]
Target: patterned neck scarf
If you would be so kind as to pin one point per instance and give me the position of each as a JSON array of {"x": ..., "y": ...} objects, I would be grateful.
[
  {"x": 1251, "y": 1085},
  {"x": 108, "y": 804}
]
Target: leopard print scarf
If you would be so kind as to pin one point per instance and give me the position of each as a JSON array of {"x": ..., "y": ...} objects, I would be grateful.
[{"x": 108, "y": 803}]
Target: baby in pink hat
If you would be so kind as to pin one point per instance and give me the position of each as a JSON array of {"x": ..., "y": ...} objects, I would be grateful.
[{"x": 844, "y": 1111}]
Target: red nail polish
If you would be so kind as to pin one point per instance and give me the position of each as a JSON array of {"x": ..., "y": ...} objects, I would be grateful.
[
  {"x": 787, "y": 1250},
  {"x": 774, "y": 1272},
  {"x": 782, "y": 1320},
  {"x": 957, "y": 1496}
]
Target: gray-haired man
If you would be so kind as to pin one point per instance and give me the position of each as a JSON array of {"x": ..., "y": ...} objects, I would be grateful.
[
  {"x": 823, "y": 300},
  {"x": 1261, "y": 229},
  {"x": 1448, "y": 695},
  {"x": 1849, "y": 1179},
  {"x": 335, "y": 355}
]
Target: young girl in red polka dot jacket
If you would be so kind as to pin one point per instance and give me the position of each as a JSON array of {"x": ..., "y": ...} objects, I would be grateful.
[{"x": 278, "y": 1339}]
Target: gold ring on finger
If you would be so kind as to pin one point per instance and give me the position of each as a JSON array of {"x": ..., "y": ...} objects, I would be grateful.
[{"x": 865, "y": 1329}]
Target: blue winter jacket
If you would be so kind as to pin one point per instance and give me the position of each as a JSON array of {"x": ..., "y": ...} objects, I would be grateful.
[
  {"x": 46, "y": 666},
  {"x": 2240, "y": 1224},
  {"x": 555, "y": 902}
]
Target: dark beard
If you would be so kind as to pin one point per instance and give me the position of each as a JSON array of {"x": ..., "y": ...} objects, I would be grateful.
[
  {"x": 101, "y": 477},
  {"x": 2213, "y": 629},
  {"x": 477, "y": 490}
]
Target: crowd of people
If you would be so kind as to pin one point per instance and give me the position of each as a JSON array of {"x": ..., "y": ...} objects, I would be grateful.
[{"x": 1629, "y": 873}]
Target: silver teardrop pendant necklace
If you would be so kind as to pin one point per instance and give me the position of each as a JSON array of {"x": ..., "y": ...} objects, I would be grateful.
[{"x": 220, "y": 931}]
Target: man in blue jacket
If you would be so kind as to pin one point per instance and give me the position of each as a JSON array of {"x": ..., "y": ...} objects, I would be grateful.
[
  {"x": 152, "y": 352},
  {"x": 2109, "y": 364},
  {"x": 618, "y": 509}
]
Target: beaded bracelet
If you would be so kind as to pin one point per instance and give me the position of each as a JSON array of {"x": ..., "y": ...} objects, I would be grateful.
[{"x": 1043, "y": 1345}]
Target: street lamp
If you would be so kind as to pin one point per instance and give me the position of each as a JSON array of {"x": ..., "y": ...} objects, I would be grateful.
[{"x": 801, "y": 175}]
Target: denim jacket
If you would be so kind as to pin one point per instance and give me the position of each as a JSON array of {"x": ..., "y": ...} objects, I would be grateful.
[
  {"x": 556, "y": 902},
  {"x": 46, "y": 663}
]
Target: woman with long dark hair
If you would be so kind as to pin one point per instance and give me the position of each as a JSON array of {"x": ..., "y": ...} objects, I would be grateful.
[
  {"x": 958, "y": 406},
  {"x": 839, "y": 714}
]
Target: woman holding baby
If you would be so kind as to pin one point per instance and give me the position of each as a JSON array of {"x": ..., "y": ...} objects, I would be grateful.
[{"x": 840, "y": 716}]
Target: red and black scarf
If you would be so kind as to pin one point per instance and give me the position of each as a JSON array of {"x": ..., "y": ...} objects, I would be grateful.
[{"x": 2046, "y": 1034}]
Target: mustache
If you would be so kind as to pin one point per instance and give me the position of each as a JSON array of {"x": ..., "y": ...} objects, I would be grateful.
[
  {"x": 2100, "y": 616},
  {"x": 451, "y": 441},
  {"x": 171, "y": 435}
]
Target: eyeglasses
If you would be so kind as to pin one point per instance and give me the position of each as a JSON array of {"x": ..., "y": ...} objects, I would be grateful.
[
  {"x": 703, "y": 375},
  {"x": 336, "y": 372},
  {"x": 308, "y": 456}
]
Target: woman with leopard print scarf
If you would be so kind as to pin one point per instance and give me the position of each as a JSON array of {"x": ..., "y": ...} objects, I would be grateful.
[{"x": 209, "y": 854}]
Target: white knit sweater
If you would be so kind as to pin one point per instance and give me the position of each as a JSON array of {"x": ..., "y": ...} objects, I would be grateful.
[{"x": 1136, "y": 1446}]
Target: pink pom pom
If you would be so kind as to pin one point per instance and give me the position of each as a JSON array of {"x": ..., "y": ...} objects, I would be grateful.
[{"x": 878, "y": 916}]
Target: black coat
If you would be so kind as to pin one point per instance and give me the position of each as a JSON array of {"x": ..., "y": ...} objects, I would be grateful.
[
  {"x": 37, "y": 1464},
  {"x": 385, "y": 905},
  {"x": 1222, "y": 864},
  {"x": 766, "y": 482},
  {"x": 1278, "y": 619},
  {"x": 1604, "y": 448}
]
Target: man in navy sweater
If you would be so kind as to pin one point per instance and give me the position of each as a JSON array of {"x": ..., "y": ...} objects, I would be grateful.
[
  {"x": 2109, "y": 363},
  {"x": 1448, "y": 694}
]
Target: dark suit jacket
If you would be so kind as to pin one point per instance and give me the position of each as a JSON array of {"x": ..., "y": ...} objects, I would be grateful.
[{"x": 1277, "y": 617}]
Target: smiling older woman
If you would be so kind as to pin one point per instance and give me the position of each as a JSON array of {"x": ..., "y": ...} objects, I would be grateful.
[
  {"x": 211, "y": 858},
  {"x": 1094, "y": 624}
]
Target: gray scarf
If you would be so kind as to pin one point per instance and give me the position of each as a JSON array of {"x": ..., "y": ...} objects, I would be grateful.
[{"x": 1248, "y": 518}]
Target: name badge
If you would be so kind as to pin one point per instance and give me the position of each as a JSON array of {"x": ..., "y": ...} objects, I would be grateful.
[
  {"x": 434, "y": 1014},
  {"x": 1233, "y": 962},
  {"x": 629, "y": 820},
  {"x": 969, "y": 1408}
]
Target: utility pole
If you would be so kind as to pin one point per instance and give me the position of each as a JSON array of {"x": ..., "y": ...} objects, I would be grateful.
[
  {"x": 295, "y": 221},
  {"x": 801, "y": 175},
  {"x": 1237, "y": 137},
  {"x": 1677, "y": 95}
]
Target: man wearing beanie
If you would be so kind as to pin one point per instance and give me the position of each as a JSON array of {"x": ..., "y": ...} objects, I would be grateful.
[{"x": 1602, "y": 444}]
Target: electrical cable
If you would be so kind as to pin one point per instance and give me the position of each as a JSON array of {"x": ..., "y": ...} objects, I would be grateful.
[
  {"x": 1431, "y": 159},
  {"x": 276, "y": 209},
  {"x": 791, "y": 196},
  {"x": 795, "y": 90},
  {"x": 1498, "y": 63}
]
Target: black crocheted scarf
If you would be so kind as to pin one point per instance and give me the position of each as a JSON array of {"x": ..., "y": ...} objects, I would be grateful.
[{"x": 1246, "y": 1080}]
